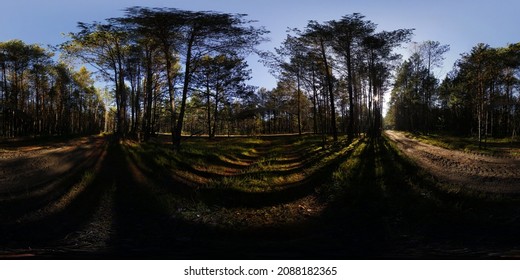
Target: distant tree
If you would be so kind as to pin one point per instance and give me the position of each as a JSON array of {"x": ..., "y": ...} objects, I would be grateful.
[
  {"x": 40, "y": 97},
  {"x": 431, "y": 55},
  {"x": 380, "y": 48},
  {"x": 17, "y": 62},
  {"x": 480, "y": 96},
  {"x": 290, "y": 61},
  {"x": 219, "y": 78},
  {"x": 406, "y": 100}
]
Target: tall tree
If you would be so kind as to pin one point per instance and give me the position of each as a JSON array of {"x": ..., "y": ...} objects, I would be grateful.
[
  {"x": 219, "y": 78},
  {"x": 290, "y": 61},
  {"x": 17, "y": 61},
  {"x": 320, "y": 35},
  {"x": 163, "y": 27},
  {"x": 431, "y": 55},
  {"x": 350, "y": 32},
  {"x": 379, "y": 48},
  {"x": 210, "y": 33},
  {"x": 105, "y": 47}
]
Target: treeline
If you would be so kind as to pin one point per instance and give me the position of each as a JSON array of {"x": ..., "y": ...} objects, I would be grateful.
[
  {"x": 479, "y": 97},
  {"x": 182, "y": 71},
  {"x": 41, "y": 97},
  {"x": 331, "y": 80}
]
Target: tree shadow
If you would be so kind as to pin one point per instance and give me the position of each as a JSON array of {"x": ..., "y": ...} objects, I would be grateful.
[
  {"x": 394, "y": 210},
  {"x": 233, "y": 197},
  {"x": 30, "y": 226}
]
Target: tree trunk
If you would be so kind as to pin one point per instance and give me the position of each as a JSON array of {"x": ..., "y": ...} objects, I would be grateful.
[
  {"x": 350, "y": 128},
  {"x": 171, "y": 89},
  {"x": 328, "y": 76},
  {"x": 299, "y": 105},
  {"x": 187, "y": 79}
]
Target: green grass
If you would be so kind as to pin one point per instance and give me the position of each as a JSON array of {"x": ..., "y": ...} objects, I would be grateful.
[
  {"x": 246, "y": 164},
  {"x": 364, "y": 197},
  {"x": 262, "y": 178}
]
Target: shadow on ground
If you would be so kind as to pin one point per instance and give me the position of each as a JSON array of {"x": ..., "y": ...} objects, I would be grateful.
[{"x": 386, "y": 208}]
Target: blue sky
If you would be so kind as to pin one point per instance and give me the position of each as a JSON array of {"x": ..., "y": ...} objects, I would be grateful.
[{"x": 461, "y": 24}]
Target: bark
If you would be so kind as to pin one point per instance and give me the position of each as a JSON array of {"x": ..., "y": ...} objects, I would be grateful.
[
  {"x": 328, "y": 76},
  {"x": 185, "y": 89}
]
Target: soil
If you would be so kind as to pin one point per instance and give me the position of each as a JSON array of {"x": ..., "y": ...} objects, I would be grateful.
[
  {"x": 24, "y": 167},
  {"x": 45, "y": 213},
  {"x": 467, "y": 170}
]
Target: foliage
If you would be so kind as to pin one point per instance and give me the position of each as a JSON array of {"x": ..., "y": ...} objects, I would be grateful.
[
  {"x": 158, "y": 50},
  {"x": 42, "y": 97},
  {"x": 478, "y": 98},
  {"x": 341, "y": 64}
]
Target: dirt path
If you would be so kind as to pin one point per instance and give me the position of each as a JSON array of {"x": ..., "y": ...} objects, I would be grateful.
[
  {"x": 463, "y": 169},
  {"x": 24, "y": 168}
]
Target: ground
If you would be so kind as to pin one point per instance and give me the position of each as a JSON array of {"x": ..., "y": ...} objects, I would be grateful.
[
  {"x": 470, "y": 170},
  {"x": 285, "y": 197}
]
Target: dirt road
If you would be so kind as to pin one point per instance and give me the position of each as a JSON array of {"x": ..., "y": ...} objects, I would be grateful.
[
  {"x": 462, "y": 169},
  {"x": 28, "y": 167}
]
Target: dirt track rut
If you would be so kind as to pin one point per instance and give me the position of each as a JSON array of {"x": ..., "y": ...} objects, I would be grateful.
[
  {"x": 463, "y": 169},
  {"x": 29, "y": 167}
]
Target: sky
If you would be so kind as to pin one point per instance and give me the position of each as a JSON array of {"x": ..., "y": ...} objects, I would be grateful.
[{"x": 461, "y": 24}]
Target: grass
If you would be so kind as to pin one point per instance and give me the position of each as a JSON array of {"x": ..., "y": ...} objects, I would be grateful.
[
  {"x": 282, "y": 195},
  {"x": 242, "y": 182},
  {"x": 267, "y": 174},
  {"x": 386, "y": 203},
  {"x": 245, "y": 164}
]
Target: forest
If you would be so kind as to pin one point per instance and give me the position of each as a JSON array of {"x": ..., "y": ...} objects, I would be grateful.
[
  {"x": 171, "y": 71},
  {"x": 479, "y": 97},
  {"x": 183, "y": 72},
  {"x": 140, "y": 136}
]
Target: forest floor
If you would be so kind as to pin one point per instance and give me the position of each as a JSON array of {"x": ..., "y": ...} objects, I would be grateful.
[
  {"x": 25, "y": 166},
  {"x": 290, "y": 197}
]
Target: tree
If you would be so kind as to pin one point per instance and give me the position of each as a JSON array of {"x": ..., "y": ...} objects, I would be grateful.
[
  {"x": 320, "y": 35},
  {"x": 407, "y": 95},
  {"x": 219, "y": 78},
  {"x": 162, "y": 27},
  {"x": 210, "y": 33},
  {"x": 105, "y": 46},
  {"x": 290, "y": 62},
  {"x": 338, "y": 56},
  {"x": 41, "y": 97},
  {"x": 350, "y": 32},
  {"x": 431, "y": 55},
  {"x": 480, "y": 95},
  {"x": 161, "y": 42},
  {"x": 18, "y": 62},
  {"x": 379, "y": 48}
]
